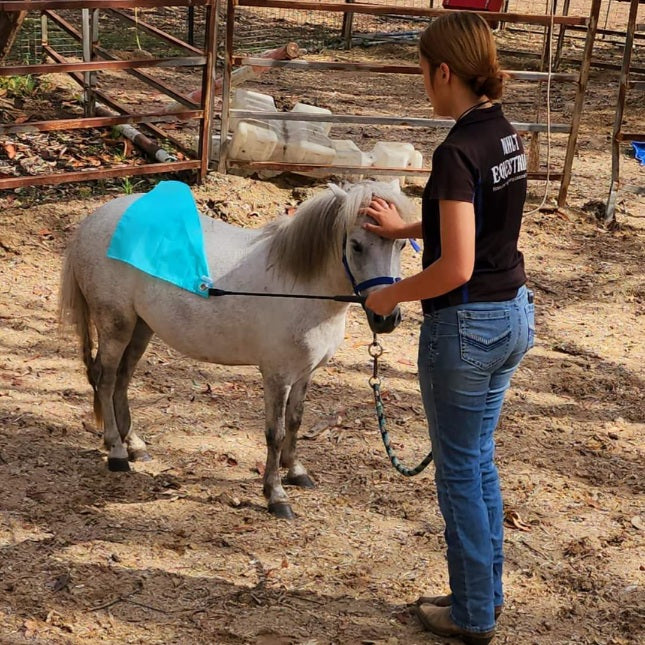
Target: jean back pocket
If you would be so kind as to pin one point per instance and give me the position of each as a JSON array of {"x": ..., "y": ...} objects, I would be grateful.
[{"x": 484, "y": 337}]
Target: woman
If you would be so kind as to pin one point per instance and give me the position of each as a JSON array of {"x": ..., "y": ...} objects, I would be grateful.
[{"x": 478, "y": 321}]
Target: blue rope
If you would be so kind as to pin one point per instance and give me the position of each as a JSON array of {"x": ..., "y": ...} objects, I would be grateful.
[{"x": 375, "y": 383}]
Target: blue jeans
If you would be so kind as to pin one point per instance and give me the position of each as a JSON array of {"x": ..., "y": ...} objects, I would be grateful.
[{"x": 467, "y": 356}]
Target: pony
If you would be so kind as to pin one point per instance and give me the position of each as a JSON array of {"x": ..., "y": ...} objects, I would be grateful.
[{"x": 322, "y": 249}]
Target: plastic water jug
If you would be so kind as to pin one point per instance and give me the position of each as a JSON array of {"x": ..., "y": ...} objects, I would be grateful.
[
  {"x": 316, "y": 126},
  {"x": 349, "y": 154},
  {"x": 391, "y": 154},
  {"x": 253, "y": 140},
  {"x": 416, "y": 161},
  {"x": 251, "y": 101},
  {"x": 314, "y": 148}
]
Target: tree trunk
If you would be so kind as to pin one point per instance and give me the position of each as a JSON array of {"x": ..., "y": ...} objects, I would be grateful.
[{"x": 10, "y": 22}]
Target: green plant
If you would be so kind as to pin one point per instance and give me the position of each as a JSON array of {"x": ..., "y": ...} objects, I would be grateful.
[
  {"x": 128, "y": 186},
  {"x": 17, "y": 86}
]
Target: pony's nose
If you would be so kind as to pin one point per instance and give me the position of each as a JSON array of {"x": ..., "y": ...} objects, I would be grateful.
[{"x": 383, "y": 324}]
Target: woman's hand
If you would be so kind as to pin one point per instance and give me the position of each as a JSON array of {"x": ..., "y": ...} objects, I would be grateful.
[
  {"x": 389, "y": 223},
  {"x": 382, "y": 301}
]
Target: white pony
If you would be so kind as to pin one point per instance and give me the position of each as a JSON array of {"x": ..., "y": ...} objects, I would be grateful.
[{"x": 322, "y": 250}]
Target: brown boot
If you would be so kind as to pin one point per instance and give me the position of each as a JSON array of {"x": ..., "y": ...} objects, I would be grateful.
[
  {"x": 446, "y": 601},
  {"x": 438, "y": 621}
]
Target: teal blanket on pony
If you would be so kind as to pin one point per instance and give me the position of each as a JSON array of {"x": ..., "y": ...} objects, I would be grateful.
[{"x": 161, "y": 234}]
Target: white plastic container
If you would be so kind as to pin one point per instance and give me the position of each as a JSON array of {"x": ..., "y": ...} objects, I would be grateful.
[
  {"x": 416, "y": 161},
  {"x": 315, "y": 148},
  {"x": 392, "y": 154},
  {"x": 253, "y": 141},
  {"x": 277, "y": 155},
  {"x": 251, "y": 101},
  {"x": 349, "y": 154},
  {"x": 316, "y": 126}
]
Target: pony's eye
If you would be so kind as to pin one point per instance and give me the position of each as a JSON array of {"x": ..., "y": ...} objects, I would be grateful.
[{"x": 357, "y": 247}]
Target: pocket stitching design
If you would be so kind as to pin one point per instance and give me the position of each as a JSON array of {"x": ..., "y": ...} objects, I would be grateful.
[{"x": 475, "y": 341}]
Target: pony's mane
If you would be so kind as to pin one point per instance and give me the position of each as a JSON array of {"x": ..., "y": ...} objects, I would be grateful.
[{"x": 307, "y": 244}]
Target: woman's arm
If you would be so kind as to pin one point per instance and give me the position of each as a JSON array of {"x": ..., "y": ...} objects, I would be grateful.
[{"x": 451, "y": 270}]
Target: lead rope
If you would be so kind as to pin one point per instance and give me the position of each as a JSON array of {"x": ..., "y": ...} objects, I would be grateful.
[{"x": 375, "y": 350}]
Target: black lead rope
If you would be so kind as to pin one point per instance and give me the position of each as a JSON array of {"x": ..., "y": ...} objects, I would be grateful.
[
  {"x": 375, "y": 350},
  {"x": 360, "y": 300}
]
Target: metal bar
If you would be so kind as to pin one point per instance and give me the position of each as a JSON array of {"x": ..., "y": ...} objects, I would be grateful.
[
  {"x": 177, "y": 42},
  {"x": 96, "y": 122},
  {"x": 585, "y": 68},
  {"x": 561, "y": 34},
  {"x": 326, "y": 169},
  {"x": 86, "y": 40},
  {"x": 520, "y": 75},
  {"x": 608, "y": 32},
  {"x": 42, "y": 5},
  {"x": 115, "y": 105},
  {"x": 89, "y": 175},
  {"x": 43, "y": 30},
  {"x": 16, "y": 70},
  {"x": 208, "y": 91},
  {"x": 618, "y": 136},
  {"x": 226, "y": 85},
  {"x": 380, "y": 120},
  {"x": 347, "y": 28},
  {"x": 599, "y": 65},
  {"x": 142, "y": 76},
  {"x": 630, "y": 136},
  {"x": 191, "y": 25},
  {"x": 94, "y": 30},
  {"x": 408, "y": 11},
  {"x": 153, "y": 82}
]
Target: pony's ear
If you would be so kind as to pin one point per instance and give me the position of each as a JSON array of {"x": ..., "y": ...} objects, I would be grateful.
[{"x": 338, "y": 191}]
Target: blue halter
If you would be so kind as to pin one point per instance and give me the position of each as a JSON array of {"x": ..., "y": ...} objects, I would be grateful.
[{"x": 366, "y": 284}]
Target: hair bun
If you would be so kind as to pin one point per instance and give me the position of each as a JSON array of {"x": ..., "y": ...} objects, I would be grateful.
[{"x": 492, "y": 86}]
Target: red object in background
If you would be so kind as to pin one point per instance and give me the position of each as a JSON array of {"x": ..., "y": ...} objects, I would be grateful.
[{"x": 474, "y": 5}]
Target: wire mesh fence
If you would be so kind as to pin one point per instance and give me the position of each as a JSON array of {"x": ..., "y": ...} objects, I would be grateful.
[{"x": 261, "y": 28}]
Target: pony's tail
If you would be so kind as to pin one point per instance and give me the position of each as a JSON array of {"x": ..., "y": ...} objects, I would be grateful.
[{"x": 74, "y": 312}]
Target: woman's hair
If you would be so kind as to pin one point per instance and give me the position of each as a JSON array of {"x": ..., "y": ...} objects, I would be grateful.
[{"x": 465, "y": 43}]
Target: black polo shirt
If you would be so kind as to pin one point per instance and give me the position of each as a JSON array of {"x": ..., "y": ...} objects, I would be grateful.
[{"x": 481, "y": 161}]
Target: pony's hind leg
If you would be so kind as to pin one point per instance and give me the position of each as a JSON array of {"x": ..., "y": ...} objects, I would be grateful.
[
  {"x": 114, "y": 334},
  {"x": 297, "y": 474},
  {"x": 136, "y": 347},
  {"x": 276, "y": 392}
]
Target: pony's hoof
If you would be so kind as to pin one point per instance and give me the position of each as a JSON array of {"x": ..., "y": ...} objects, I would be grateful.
[
  {"x": 303, "y": 481},
  {"x": 118, "y": 464},
  {"x": 139, "y": 455},
  {"x": 281, "y": 510}
]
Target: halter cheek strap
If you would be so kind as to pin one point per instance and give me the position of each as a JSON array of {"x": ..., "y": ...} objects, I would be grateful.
[{"x": 366, "y": 284}]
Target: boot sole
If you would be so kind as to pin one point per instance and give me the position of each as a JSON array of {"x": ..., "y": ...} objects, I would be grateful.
[
  {"x": 428, "y": 600},
  {"x": 468, "y": 638}
]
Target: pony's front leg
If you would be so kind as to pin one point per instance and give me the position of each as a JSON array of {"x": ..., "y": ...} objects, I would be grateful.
[
  {"x": 297, "y": 474},
  {"x": 276, "y": 393}
]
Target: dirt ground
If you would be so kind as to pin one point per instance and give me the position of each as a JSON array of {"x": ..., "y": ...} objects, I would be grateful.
[{"x": 181, "y": 550}]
